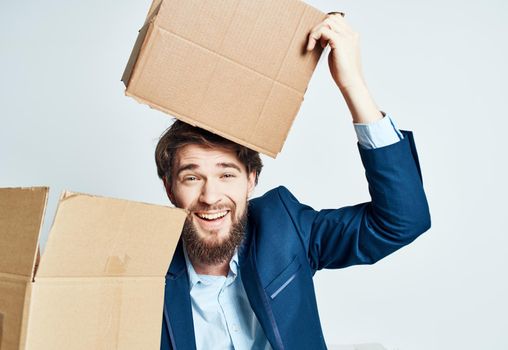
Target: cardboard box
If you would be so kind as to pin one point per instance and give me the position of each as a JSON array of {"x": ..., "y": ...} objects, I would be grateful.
[
  {"x": 100, "y": 283},
  {"x": 236, "y": 68}
]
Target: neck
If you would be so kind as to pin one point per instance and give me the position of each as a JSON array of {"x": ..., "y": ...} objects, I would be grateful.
[{"x": 220, "y": 269}]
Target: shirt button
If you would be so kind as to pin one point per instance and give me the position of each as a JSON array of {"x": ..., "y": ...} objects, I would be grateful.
[{"x": 235, "y": 328}]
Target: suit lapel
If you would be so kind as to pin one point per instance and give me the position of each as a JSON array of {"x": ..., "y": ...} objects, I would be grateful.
[
  {"x": 255, "y": 292},
  {"x": 177, "y": 304}
]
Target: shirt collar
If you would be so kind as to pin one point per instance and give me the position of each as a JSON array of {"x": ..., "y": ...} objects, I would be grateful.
[{"x": 194, "y": 278}]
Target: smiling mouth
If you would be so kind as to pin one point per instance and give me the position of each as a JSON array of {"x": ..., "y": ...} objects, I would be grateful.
[{"x": 212, "y": 216}]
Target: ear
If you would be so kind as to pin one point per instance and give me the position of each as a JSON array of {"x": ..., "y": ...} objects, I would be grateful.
[
  {"x": 251, "y": 183},
  {"x": 169, "y": 192}
]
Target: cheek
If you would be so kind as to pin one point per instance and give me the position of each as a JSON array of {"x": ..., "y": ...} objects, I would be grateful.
[
  {"x": 240, "y": 196},
  {"x": 184, "y": 197}
]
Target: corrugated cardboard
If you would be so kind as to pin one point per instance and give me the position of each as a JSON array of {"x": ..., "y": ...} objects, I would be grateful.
[
  {"x": 100, "y": 283},
  {"x": 237, "y": 68}
]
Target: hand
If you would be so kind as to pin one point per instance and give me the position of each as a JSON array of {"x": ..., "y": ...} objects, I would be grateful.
[
  {"x": 345, "y": 65},
  {"x": 344, "y": 57}
]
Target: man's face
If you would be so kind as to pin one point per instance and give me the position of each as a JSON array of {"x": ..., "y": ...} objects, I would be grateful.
[{"x": 214, "y": 186}]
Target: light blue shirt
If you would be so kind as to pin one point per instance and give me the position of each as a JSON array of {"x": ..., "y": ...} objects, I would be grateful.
[
  {"x": 379, "y": 134},
  {"x": 222, "y": 315}
]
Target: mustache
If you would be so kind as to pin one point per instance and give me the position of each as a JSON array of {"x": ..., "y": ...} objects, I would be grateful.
[{"x": 204, "y": 207}]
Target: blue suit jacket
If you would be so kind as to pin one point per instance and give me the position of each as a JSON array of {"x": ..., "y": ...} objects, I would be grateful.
[{"x": 287, "y": 242}]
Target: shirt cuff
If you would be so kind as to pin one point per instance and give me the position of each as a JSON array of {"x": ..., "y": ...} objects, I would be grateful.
[{"x": 378, "y": 134}]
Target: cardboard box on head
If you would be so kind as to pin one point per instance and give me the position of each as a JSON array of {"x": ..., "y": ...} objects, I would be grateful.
[
  {"x": 236, "y": 68},
  {"x": 100, "y": 283}
]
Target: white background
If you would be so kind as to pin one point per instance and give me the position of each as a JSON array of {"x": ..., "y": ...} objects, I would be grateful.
[{"x": 437, "y": 67}]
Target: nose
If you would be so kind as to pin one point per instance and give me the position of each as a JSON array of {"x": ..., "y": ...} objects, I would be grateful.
[{"x": 210, "y": 193}]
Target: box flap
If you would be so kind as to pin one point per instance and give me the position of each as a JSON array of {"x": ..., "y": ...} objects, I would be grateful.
[
  {"x": 21, "y": 216},
  {"x": 13, "y": 309},
  {"x": 236, "y": 68},
  {"x": 97, "y": 236}
]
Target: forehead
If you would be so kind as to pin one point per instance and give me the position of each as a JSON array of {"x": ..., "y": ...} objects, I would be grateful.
[{"x": 203, "y": 156}]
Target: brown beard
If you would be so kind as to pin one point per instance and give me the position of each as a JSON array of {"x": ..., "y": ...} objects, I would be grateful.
[{"x": 213, "y": 252}]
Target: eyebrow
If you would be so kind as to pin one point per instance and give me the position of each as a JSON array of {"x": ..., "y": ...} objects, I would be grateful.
[
  {"x": 192, "y": 166},
  {"x": 229, "y": 165},
  {"x": 186, "y": 167}
]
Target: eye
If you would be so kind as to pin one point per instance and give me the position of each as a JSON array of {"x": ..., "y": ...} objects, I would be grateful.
[
  {"x": 190, "y": 178},
  {"x": 228, "y": 175}
]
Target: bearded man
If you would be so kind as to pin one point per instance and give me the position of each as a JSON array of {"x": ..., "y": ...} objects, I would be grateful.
[{"x": 241, "y": 276}]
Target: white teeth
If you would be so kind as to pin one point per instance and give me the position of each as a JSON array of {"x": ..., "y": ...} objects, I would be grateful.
[{"x": 213, "y": 216}]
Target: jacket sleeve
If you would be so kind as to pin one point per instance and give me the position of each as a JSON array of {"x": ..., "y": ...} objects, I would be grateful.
[{"x": 367, "y": 232}]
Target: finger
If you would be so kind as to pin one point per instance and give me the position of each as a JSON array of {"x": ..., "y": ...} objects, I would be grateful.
[
  {"x": 335, "y": 22},
  {"x": 323, "y": 42},
  {"x": 325, "y": 22},
  {"x": 337, "y": 13},
  {"x": 335, "y": 28},
  {"x": 338, "y": 24},
  {"x": 316, "y": 34},
  {"x": 311, "y": 42},
  {"x": 332, "y": 25},
  {"x": 323, "y": 35},
  {"x": 327, "y": 37},
  {"x": 313, "y": 37},
  {"x": 337, "y": 18}
]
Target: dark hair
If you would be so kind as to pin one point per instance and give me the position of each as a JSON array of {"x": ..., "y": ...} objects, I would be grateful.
[{"x": 181, "y": 134}]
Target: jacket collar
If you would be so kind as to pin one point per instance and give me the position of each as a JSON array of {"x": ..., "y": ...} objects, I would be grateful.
[
  {"x": 255, "y": 292},
  {"x": 177, "y": 304},
  {"x": 177, "y": 266}
]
